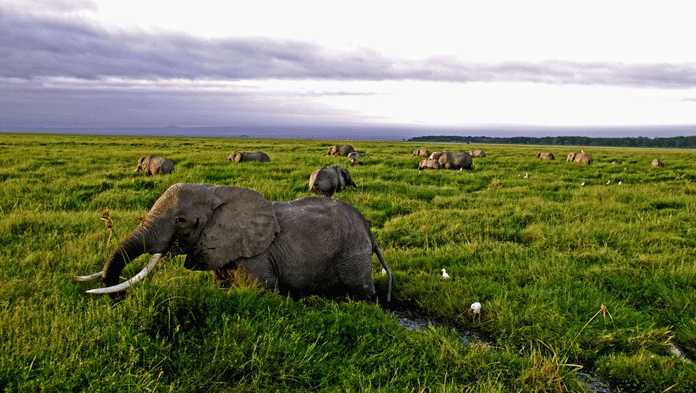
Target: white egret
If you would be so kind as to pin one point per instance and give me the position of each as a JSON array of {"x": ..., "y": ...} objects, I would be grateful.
[
  {"x": 526, "y": 175},
  {"x": 608, "y": 181},
  {"x": 476, "y": 309},
  {"x": 582, "y": 184},
  {"x": 444, "y": 274}
]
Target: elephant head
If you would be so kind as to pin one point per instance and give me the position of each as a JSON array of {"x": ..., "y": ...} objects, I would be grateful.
[
  {"x": 189, "y": 219},
  {"x": 235, "y": 156},
  {"x": 143, "y": 163}
]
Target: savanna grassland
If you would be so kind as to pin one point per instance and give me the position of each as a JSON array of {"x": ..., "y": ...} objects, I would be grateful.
[{"x": 597, "y": 279}]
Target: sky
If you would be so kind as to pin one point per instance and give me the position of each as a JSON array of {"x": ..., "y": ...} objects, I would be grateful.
[{"x": 436, "y": 65}]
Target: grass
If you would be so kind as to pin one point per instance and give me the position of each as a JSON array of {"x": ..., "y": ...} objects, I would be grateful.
[{"x": 543, "y": 254}]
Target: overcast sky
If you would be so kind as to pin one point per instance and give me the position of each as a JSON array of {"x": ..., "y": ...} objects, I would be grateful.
[{"x": 432, "y": 64}]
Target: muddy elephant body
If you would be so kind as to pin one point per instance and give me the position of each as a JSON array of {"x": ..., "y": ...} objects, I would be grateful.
[
  {"x": 582, "y": 157},
  {"x": 456, "y": 160},
  {"x": 476, "y": 153},
  {"x": 308, "y": 246},
  {"x": 421, "y": 153},
  {"x": 339, "y": 150},
  {"x": 243, "y": 156},
  {"x": 429, "y": 163},
  {"x": 153, "y": 165},
  {"x": 328, "y": 180},
  {"x": 546, "y": 156}
]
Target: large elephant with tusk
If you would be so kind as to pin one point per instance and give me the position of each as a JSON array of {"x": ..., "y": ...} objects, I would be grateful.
[{"x": 308, "y": 246}]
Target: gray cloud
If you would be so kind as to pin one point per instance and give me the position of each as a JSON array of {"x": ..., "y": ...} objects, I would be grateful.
[{"x": 34, "y": 47}]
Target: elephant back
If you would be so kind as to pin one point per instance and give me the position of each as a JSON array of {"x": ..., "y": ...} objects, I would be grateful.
[
  {"x": 461, "y": 160},
  {"x": 584, "y": 158}
]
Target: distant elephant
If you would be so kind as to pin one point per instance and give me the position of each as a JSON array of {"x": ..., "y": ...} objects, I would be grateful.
[
  {"x": 429, "y": 163},
  {"x": 546, "y": 156},
  {"x": 354, "y": 160},
  {"x": 457, "y": 160},
  {"x": 421, "y": 153},
  {"x": 357, "y": 154},
  {"x": 243, "y": 156},
  {"x": 657, "y": 163},
  {"x": 308, "y": 246},
  {"x": 582, "y": 157},
  {"x": 476, "y": 153},
  {"x": 327, "y": 180},
  {"x": 152, "y": 165},
  {"x": 338, "y": 150}
]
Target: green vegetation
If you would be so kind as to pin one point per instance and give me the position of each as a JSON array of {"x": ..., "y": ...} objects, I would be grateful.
[
  {"x": 573, "y": 279},
  {"x": 677, "y": 141}
]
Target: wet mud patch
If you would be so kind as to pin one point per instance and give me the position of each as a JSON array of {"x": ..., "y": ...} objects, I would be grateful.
[{"x": 415, "y": 320}]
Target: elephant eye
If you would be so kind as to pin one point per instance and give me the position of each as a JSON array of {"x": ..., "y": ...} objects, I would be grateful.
[{"x": 179, "y": 220}]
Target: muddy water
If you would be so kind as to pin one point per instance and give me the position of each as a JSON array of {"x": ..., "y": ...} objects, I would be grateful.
[{"x": 413, "y": 322}]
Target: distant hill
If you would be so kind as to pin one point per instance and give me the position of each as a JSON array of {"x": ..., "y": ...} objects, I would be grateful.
[{"x": 679, "y": 141}]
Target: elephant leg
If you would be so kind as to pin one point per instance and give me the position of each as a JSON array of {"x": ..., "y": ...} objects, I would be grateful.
[
  {"x": 259, "y": 269},
  {"x": 355, "y": 274}
]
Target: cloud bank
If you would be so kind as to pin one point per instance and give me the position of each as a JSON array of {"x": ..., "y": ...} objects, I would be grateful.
[{"x": 33, "y": 47}]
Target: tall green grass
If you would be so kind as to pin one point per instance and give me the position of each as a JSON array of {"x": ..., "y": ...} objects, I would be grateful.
[{"x": 543, "y": 254}]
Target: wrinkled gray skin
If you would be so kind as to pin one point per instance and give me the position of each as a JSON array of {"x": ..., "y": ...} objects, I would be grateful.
[
  {"x": 339, "y": 150},
  {"x": 309, "y": 246},
  {"x": 152, "y": 165},
  {"x": 243, "y": 156},
  {"x": 327, "y": 180},
  {"x": 457, "y": 160},
  {"x": 476, "y": 153},
  {"x": 546, "y": 156}
]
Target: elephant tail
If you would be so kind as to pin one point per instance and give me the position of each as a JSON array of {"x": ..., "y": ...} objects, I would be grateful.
[{"x": 378, "y": 251}]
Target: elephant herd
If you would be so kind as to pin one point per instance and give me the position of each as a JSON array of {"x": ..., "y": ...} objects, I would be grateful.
[
  {"x": 447, "y": 160},
  {"x": 309, "y": 246}
]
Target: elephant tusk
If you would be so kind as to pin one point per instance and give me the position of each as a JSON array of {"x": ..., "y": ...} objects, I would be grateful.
[
  {"x": 126, "y": 284},
  {"x": 88, "y": 278}
]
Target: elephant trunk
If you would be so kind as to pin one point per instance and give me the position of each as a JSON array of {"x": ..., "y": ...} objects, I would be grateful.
[
  {"x": 130, "y": 248},
  {"x": 147, "y": 238}
]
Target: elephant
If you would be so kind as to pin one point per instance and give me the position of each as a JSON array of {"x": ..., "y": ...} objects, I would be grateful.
[
  {"x": 457, "y": 160},
  {"x": 327, "y": 180},
  {"x": 421, "y": 153},
  {"x": 243, "y": 156},
  {"x": 583, "y": 157},
  {"x": 354, "y": 160},
  {"x": 309, "y": 246},
  {"x": 356, "y": 154},
  {"x": 657, "y": 163},
  {"x": 153, "y": 165},
  {"x": 429, "y": 163},
  {"x": 338, "y": 150},
  {"x": 476, "y": 153},
  {"x": 546, "y": 156}
]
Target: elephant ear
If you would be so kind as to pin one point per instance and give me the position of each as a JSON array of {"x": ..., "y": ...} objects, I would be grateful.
[{"x": 242, "y": 225}]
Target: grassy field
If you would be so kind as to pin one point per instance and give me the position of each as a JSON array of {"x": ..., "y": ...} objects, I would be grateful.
[{"x": 597, "y": 279}]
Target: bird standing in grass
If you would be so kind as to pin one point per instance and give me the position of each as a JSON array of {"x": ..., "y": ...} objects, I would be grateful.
[
  {"x": 476, "y": 309},
  {"x": 444, "y": 274},
  {"x": 526, "y": 175}
]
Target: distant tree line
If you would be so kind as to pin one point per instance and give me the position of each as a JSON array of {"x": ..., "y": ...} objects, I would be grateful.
[{"x": 677, "y": 141}]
